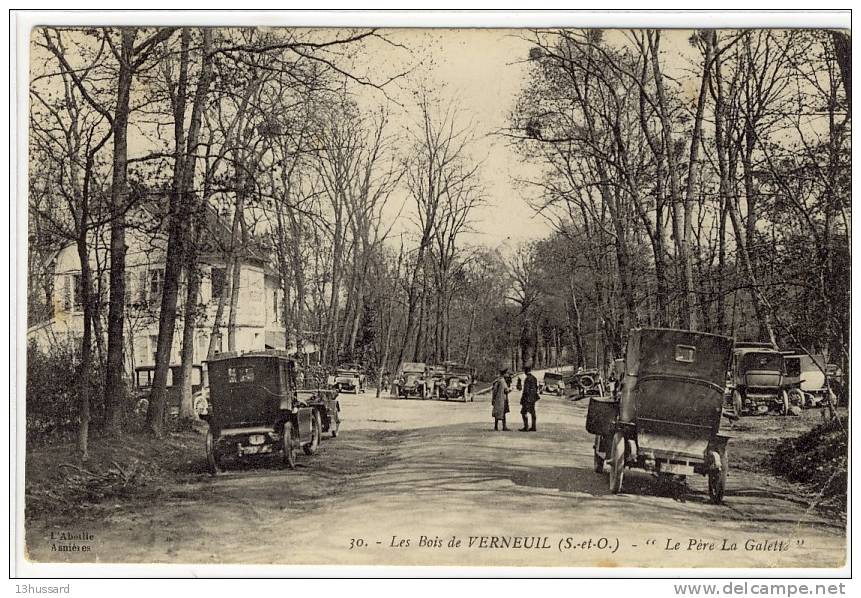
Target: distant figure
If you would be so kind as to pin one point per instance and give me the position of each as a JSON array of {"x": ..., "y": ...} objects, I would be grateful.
[
  {"x": 499, "y": 399},
  {"x": 519, "y": 384},
  {"x": 528, "y": 400}
]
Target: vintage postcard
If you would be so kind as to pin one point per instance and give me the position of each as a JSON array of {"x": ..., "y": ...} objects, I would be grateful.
[{"x": 486, "y": 297}]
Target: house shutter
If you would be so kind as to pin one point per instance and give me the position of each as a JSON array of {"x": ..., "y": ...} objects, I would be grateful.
[{"x": 142, "y": 286}]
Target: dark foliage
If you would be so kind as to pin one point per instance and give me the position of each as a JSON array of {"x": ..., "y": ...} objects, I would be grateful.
[{"x": 818, "y": 458}]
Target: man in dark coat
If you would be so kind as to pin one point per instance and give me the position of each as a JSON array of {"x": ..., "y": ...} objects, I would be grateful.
[{"x": 528, "y": 400}]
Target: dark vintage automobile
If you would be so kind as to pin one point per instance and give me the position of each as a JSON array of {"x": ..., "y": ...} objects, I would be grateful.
[
  {"x": 144, "y": 376},
  {"x": 585, "y": 383},
  {"x": 348, "y": 378},
  {"x": 756, "y": 380},
  {"x": 668, "y": 413},
  {"x": 553, "y": 384},
  {"x": 255, "y": 409},
  {"x": 410, "y": 380},
  {"x": 457, "y": 382}
]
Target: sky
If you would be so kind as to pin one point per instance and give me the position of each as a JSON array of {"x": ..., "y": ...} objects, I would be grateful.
[{"x": 482, "y": 71}]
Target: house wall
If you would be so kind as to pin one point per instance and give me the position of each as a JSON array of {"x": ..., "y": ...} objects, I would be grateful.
[{"x": 144, "y": 279}]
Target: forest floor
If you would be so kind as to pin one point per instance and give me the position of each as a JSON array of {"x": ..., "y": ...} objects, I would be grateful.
[{"x": 405, "y": 476}]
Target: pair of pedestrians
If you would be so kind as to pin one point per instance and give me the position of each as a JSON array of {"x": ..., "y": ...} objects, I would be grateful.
[{"x": 499, "y": 399}]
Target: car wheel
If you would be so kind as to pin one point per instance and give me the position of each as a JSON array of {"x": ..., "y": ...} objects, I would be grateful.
[
  {"x": 717, "y": 479},
  {"x": 617, "y": 462},
  {"x": 213, "y": 460},
  {"x": 784, "y": 403},
  {"x": 288, "y": 449},
  {"x": 737, "y": 403},
  {"x": 312, "y": 446}
]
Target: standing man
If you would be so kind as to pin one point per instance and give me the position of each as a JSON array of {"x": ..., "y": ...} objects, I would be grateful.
[
  {"x": 499, "y": 399},
  {"x": 528, "y": 400}
]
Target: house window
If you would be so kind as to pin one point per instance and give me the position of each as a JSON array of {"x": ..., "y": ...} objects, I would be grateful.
[
  {"x": 153, "y": 345},
  {"x": 156, "y": 283},
  {"x": 218, "y": 282},
  {"x": 73, "y": 293}
]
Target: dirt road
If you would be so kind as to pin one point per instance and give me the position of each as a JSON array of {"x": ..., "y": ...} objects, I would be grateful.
[{"x": 406, "y": 480}]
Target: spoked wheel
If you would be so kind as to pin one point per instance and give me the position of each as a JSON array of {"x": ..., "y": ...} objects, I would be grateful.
[
  {"x": 784, "y": 403},
  {"x": 312, "y": 446},
  {"x": 213, "y": 460},
  {"x": 717, "y": 479},
  {"x": 617, "y": 462},
  {"x": 599, "y": 460},
  {"x": 288, "y": 449}
]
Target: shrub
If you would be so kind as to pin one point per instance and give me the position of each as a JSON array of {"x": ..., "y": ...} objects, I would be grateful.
[
  {"x": 53, "y": 392},
  {"x": 817, "y": 458}
]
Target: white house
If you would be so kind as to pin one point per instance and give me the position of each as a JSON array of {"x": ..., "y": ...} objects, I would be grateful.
[{"x": 259, "y": 311}]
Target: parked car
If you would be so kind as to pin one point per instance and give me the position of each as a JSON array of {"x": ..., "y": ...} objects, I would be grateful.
[
  {"x": 311, "y": 391},
  {"x": 435, "y": 380},
  {"x": 805, "y": 380},
  {"x": 410, "y": 380},
  {"x": 552, "y": 384},
  {"x": 255, "y": 410},
  {"x": 348, "y": 378},
  {"x": 586, "y": 383},
  {"x": 144, "y": 376},
  {"x": 457, "y": 382},
  {"x": 756, "y": 380},
  {"x": 668, "y": 413}
]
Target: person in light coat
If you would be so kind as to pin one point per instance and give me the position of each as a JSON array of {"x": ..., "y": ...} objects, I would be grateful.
[{"x": 499, "y": 400}]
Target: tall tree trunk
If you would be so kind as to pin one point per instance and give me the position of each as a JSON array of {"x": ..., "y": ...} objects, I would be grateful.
[
  {"x": 196, "y": 210},
  {"x": 176, "y": 241},
  {"x": 680, "y": 215},
  {"x": 86, "y": 365},
  {"x": 115, "y": 390}
]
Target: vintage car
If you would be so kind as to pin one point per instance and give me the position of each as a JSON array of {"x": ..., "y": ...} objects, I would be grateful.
[
  {"x": 144, "y": 376},
  {"x": 553, "y": 384},
  {"x": 805, "y": 379},
  {"x": 585, "y": 383},
  {"x": 668, "y": 413},
  {"x": 755, "y": 381},
  {"x": 457, "y": 382},
  {"x": 348, "y": 378},
  {"x": 435, "y": 380},
  {"x": 255, "y": 409},
  {"x": 310, "y": 391},
  {"x": 410, "y": 380}
]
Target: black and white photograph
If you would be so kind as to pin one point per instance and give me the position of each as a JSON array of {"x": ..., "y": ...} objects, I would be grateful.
[{"x": 570, "y": 297}]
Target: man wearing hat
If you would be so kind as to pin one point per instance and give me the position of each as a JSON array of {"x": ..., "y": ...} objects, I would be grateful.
[
  {"x": 499, "y": 399},
  {"x": 528, "y": 399}
]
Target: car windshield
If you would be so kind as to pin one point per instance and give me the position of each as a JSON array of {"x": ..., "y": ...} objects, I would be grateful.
[{"x": 762, "y": 361}]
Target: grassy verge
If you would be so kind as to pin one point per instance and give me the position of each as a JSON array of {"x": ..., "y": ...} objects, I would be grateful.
[
  {"x": 818, "y": 459},
  {"x": 130, "y": 466}
]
